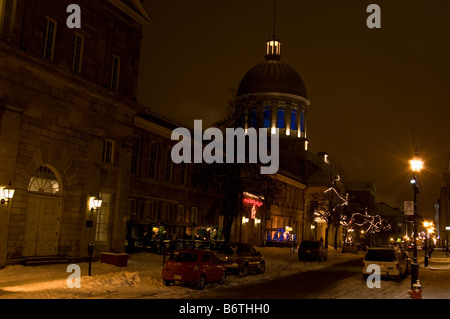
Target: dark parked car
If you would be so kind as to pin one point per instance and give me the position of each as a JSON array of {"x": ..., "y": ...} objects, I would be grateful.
[
  {"x": 349, "y": 247},
  {"x": 353, "y": 247},
  {"x": 312, "y": 250},
  {"x": 193, "y": 266},
  {"x": 362, "y": 246},
  {"x": 241, "y": 257}
]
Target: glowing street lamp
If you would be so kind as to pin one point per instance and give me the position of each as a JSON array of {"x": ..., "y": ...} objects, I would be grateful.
[
  {"x": 8, "y": 193},
  {"x": 97, "y": 203},
  {"x": 416, "y": 164}
]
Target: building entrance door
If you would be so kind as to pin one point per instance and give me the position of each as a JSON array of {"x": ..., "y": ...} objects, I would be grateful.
[{"x": 42, "y": 225}]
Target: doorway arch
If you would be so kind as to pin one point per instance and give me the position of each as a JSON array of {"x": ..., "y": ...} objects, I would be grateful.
[{"x": 43, "y": 213}]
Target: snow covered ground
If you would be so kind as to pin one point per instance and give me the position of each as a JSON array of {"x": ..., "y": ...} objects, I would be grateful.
[{"x": 141, "y": 279}]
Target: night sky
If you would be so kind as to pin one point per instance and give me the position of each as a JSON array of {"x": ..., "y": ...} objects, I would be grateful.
[{"x": 375, "y": 94}]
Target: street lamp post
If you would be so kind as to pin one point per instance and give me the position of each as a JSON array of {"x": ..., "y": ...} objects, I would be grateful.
[
  {"x": 416, "y": 166},
  {"x": 426, "y": 244}
]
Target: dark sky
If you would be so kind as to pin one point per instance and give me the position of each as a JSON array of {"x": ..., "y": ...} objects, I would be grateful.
[{"x": 375, "y": 94}]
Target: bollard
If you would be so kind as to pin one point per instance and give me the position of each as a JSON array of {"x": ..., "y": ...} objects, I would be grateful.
[
  {"x": 90, "y": 251},
  {"x": 416, "y": 292},
  {"x": 414, "y": 272}
]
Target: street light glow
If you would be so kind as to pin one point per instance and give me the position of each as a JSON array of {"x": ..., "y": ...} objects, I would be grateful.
[{"x": 416, "y": 164}]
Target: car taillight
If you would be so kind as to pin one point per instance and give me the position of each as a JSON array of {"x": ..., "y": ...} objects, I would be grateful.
[{"x": 197, "y": 267}]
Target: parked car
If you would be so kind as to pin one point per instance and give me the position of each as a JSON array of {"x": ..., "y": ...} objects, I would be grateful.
[
  {"x": 353, "y": 247},
  {"x": 393, "y": 262},
  {"x": 312, "y": 250},
  {"x": 241, "y": 257},
  {"x": 361, "y": 246},
  {"x": 193, "y": 266},
  {"x": 350, "y": 247}
]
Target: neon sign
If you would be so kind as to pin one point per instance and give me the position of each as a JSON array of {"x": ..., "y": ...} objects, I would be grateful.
[{"x": 253, "y": 202}]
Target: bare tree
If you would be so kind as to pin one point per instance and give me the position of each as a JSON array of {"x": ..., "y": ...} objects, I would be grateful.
[{"x": 236, "y": 178}]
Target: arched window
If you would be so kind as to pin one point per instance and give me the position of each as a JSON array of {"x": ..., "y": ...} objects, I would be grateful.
[
  {"x": 280, "y": 117},
  {"x": 44, "y": 181},
  {"x": 294, "y": 119},
  {"x": 267, "y": 116}
]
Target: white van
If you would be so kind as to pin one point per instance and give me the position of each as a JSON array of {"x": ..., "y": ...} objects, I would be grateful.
[{"x": 391, "y": 260}]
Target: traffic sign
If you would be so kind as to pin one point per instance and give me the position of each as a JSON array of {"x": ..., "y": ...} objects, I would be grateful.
[{"x": 408, "y": 208}]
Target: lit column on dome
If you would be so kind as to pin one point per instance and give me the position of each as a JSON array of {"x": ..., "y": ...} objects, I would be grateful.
[{"x": 273, "y": 49}]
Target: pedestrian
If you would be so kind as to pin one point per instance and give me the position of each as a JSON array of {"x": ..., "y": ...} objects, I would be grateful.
[{"x": 321, "y": 240}]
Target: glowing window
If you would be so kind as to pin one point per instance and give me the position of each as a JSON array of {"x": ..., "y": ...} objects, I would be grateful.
[
  {"x": 293, "y": 119},
  {"x": 44, "y": 181},
  {"x": 280, "y": 117},
  {"x": 253, "y": 118},
  {"x": 267, "y": 116},
  {"x": 101, "y": 229},
  {"x": 302, "y": 122}
]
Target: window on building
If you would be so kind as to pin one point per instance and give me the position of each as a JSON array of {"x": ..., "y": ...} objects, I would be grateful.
[
  {"x": 132, "y": 209},
  {"x": 152, "y": 161},
  {"x": 2, "y": 14},
  {"x": 169, "y": 166},
  {"x": 253, "y": 118},
  {"x": 135, "y": 156},
  {"x": 44, "y": 181},
  {"x": 49, "y": 38},
  {"x": 115, "y": 72},
  {"x": 183, "y": 173},
  {"x": 267, "y": 116},
  {"x": 294, "y": 119},
  {"x": 149, "y": 210},
  {"x": 165, "y": 212},
  {"x": 108, "y": 151},
  {"x": 101, "y": 229},
  {"x": 280, "y": 117},
  {"x": 78, "y": 48},
  {"x": 194, "y": 212},
  {"x": 302, "y": 122},
  {"x": 180, "y": 214}
]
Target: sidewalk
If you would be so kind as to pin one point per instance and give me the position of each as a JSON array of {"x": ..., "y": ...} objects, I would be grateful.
[{"x": 435, "y": 279}]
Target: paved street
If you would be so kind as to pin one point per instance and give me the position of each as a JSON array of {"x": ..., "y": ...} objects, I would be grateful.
[
  {"x": 311, "y": 284},
  {"x": 342, "y": 281}
]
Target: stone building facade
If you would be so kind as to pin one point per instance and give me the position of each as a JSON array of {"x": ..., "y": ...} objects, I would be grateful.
[
  {"x": 167, "y": 201},
  {"x": 67, "y": 105}
]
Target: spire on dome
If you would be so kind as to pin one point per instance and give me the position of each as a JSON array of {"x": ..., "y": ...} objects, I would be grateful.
[{"x": 273, "y": 44}]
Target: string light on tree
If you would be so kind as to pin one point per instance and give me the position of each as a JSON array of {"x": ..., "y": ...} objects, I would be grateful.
[{"x": 374, "y": 223}]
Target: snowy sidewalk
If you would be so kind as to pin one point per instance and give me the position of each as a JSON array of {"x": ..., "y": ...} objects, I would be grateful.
[{"x": 439, "y": 263}]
